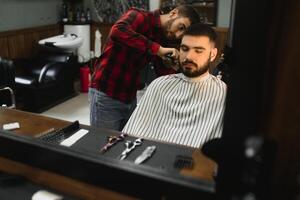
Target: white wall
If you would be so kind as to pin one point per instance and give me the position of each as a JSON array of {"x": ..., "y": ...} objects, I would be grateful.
[
  {"x": 154, "y": 4},
  {"x": 224, "y": 10},
  {"x": 18, "y": 14}
]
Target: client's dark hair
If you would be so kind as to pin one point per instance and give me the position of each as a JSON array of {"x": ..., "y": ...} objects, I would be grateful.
[
  {"x": 189, "y": 12},
  {"x": 202, "y": 30}
]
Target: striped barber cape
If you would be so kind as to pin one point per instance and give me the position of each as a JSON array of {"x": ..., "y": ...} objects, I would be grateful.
[{"x": 180, "y": 110}]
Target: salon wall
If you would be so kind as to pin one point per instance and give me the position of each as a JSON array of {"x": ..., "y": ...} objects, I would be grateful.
[{"x": 19, "y": 14}]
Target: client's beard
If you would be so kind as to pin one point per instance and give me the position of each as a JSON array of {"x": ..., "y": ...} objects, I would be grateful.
[{"x": 196, "y": 73}]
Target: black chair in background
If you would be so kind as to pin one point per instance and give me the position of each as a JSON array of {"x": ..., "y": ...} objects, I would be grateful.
[
  {"x": 7, "y": 83},
  {"x": 45, "y": 80}
]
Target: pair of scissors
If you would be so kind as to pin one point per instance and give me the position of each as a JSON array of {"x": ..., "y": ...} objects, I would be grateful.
[
  {"x": 112, "y": 140},
  {"x": 129, "y": 147}
]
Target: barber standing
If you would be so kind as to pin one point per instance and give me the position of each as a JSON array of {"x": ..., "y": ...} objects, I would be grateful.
[{"x": 137, "y": 38}]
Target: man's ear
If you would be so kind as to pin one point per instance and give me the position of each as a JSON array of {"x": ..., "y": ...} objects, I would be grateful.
[
  {"x": 173, "y": 13},
  {"x": 213, "y": 54}
]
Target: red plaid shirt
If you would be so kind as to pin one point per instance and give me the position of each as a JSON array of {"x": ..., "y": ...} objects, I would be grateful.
[{"x": 132, "y": 42}]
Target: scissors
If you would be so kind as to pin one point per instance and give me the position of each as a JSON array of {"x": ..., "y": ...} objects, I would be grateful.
[
  {"x": 130, "y": 146},
  {"x": 111, "y": 141}
]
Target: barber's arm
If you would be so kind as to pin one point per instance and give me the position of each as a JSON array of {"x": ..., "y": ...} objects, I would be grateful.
[{"x": 125, "y": 31}]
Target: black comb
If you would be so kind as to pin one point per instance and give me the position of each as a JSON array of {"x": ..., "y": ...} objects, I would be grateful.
[
  {"x": 183, "y": 162},
  {"x": 59, "y": 135}
]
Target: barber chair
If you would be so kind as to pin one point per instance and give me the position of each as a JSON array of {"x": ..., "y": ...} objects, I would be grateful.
[
  {"x": 7, "y": 82},
  {"x": 46, "y": 80}
]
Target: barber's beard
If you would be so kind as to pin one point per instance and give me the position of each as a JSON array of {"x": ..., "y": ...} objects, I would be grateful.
[
  {"x": 195, "y": 73},
  {"x": 167, "y": 30}
]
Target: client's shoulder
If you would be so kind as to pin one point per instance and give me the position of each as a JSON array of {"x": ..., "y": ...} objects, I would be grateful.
[{"x": 218, "y": 82}]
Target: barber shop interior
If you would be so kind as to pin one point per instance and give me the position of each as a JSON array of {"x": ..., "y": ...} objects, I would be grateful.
[{"x": 149, "y": 99}]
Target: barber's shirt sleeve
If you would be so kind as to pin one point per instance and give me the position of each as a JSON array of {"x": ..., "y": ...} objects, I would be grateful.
[
  {"x": 125, "y": 31},
  {"x": 160, "y": 68}
]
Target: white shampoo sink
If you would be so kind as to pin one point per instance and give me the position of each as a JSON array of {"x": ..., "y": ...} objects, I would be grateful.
[{"x": 65, "y": 41}]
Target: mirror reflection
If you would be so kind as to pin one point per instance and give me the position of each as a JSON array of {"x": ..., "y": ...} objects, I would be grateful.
[{"x": 83, "y": 65}]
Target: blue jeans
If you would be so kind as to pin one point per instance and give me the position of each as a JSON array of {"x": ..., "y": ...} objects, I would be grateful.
[{"x": 106, "y": 112}]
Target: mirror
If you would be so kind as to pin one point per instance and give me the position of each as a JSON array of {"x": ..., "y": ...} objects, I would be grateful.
[
  {"x": 11, "y": 40},
  {"x": 244, "y": 111}
]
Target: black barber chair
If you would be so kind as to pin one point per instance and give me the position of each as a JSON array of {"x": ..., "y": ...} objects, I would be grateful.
[
  {"x": 46, "y": 80},
  {"x": 7, "y": 82}
]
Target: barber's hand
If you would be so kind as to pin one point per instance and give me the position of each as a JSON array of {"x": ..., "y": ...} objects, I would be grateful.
[
  {"x": 163, "y": 52},
  {"x": 170, "y": 57}
]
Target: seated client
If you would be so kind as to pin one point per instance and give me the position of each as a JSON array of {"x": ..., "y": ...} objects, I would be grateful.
[{"x": 185, "y": 108}]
